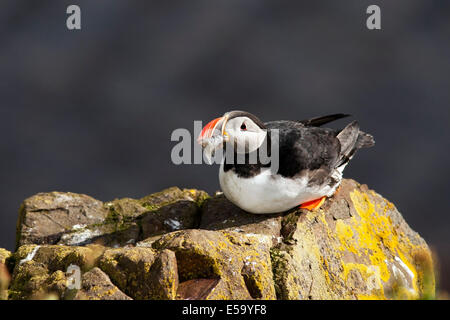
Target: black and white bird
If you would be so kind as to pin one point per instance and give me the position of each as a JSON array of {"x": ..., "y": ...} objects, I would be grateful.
[{"x": 311, "y": 159}]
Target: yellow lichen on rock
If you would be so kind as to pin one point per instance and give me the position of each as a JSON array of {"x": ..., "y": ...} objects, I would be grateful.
[
  {"x": 357, "y": 246},
  {"x": 4, "y": 254},
  {"x": 5, "y": 277},
  {"x": 183, "y": 244},
  {"x": 242, "y": 263},
  {"x": 372, "y": 234}
]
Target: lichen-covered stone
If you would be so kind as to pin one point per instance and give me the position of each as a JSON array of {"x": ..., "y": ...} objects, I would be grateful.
[
  {"x": 242, "y": 263},
  {"x": 107, "y": 234},
  {"x": 40, "y": 270},
  {"x": 183, "y": 214},
  {"x": 357, "y": 246},
  {"x": 129, "y": 269},
  {"x": 5, "y": 277},
  {"x": 125, "y": 209},
  {"x": 164, "y": 276},
  {"x": 142, "y": 273},
  {"x": 4, "y": 254},
  {"x": 220, "y": 214},
  {"x": 58, "y": 257},
  {"x": 45, "y": 217},
  {"x": 182, "y": 244},
  {"x": 28, "y": 282},
  {"x": 160, "y": 199},
  {"x": 96, "y": 285},
  {"x": 76, "y": 219},
  {"x": 171, "y": 210}
]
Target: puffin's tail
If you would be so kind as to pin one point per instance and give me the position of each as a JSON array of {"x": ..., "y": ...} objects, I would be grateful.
[
  {"x": 352, "y": 139},
  {"x": 364, "y": 140}
]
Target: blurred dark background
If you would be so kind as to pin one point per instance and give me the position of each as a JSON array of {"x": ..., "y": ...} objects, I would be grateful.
[{"x": 92, "y": 111}]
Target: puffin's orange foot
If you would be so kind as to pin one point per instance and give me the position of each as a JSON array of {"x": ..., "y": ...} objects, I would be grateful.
[
  {"x": 313, "y": 204},
  {"x": 337, "y": 190}
]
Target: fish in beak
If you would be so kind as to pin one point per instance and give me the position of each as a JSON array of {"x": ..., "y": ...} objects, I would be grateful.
[{"x": 212, "y": 137}]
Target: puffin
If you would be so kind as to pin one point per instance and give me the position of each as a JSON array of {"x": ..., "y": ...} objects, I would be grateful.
[{"x": 311, "y": 159}]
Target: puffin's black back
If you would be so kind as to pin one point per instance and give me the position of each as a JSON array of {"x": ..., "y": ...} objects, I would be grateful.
[{"x": 305, "y": 148}]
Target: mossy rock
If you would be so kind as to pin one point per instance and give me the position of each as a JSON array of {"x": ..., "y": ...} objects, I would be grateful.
[
  {"x": 183, "y": 244},
  {"x": 96, "y": 285},
  {"x": 356, "y": 246},
  {"x": 142, "y": 273},
  {"x": 4, "y": 254},
  {"x": 5, "y": 277},
  {"x": 241, "y": 263},
  {"x": 76, "y": 219}
]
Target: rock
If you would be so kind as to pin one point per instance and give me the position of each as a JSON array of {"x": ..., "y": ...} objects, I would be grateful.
[
  {"x": 164, "y": 276},
  {"x": 172, "y": 209},
  {"x": 241, "y": 263},
  {"x": 5, "y": 277},
  {"x": 4, "y": 254},
  {"x": 129, "y": 269},
  {"x": 29, "y": 281},
  {"x": 142, "y": 273},
  {"x": 357, "y": 246},
  {"x": 45, "y": 217},
  {"x": 96, "y": 285},
  {"x": 168, "y": 196},
  {"x": 183, "y": 244},
  {"x": 41, "y": 271},
  {"x": 58, "y": 257},
  {"x": 108, "y": 234},
  {"x": 220, "y": 214},
  {"x": 198, "y": 289},
  {"x": 77, "y": 219}
]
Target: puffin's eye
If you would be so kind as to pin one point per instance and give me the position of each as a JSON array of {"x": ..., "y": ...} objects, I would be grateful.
[{"x": 243, "y": 127}]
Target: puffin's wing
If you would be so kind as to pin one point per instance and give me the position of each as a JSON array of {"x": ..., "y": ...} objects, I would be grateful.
[
  {"x": 352, "y": 139},
  {"x": 313, "y": 148},
  {"x": 305, "y": 149},
  {"x": 319, "y": 121}
]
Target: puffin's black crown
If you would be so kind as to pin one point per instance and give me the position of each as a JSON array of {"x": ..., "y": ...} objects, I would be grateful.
[{"x": 238, "y": 113}]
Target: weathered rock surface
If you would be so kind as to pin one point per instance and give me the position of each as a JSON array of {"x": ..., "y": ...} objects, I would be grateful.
[
  {"x": 96, "y": 285},
  {"x": 5, "y": 278},
  {"x": 240, "y": 263},
  {"x": 183, "y": 244},
  {"x": 4, "y": 254},
  {"x": 77, "y": 219},
  {"x": 357, "y": 246},
  {"x": 46, "y": 217}
]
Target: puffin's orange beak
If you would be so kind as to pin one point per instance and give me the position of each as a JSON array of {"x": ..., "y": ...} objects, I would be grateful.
[
  {"x": 215, "y": 126},
  {"x": 208, "y": 130}
]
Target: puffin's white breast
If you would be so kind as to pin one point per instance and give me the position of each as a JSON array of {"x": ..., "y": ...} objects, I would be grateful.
[{"x": 267, "y": 193}]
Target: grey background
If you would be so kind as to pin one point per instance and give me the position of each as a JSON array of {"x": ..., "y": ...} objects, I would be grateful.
[{"x": 92, "y": 111}]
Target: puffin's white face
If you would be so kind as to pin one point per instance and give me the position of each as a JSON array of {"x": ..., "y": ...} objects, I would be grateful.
[{"x": 244, "y": 131}]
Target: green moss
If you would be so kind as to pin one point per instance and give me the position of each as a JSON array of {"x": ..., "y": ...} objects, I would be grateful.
[
  {"x": 169, "y": 196},
  {"x": 153, "y": 207},
  {"x": 200, "y": 196},
  {"x": 278, "y": 268},
  {"x": 157, "y": 200},
  {"x": 29, "y": 278},
  {"x": 288, "y": 226},
  {"x": 113, "y": 216},
  {"x": 426, "y": 270}
]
